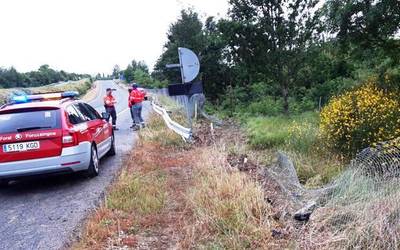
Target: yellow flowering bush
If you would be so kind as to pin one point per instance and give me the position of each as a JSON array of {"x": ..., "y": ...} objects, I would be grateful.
[{"x": 361, "y": 118}]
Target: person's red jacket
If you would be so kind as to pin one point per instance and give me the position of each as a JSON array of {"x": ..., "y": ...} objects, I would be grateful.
[
  {"x": 109, "y": 101},
  {"x": 136, "y": 96}
]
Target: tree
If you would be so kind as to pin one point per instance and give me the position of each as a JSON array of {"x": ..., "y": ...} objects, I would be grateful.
[
  {"x": 140, "y": 65},
  {"x": 204, "y": 39},
  {"x": 367, "y": 23},
  {"x": 116, "y": 72},
  {"x": 129, "y": 73},
  {"x": 268, "y": 38},
  {"x": 10, "y": 78},
  {"x": 186, "y": 32},
  {"x": 215, "y": 73}
]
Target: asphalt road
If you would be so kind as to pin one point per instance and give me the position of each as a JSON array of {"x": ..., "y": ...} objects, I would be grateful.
[{"x": 46, "y": 213}]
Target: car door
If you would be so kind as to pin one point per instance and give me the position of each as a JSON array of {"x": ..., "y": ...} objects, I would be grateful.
[
  {"x": 79, "y": 123},
  {"x": 96, "y": 128},
  {"x": 107, "y": 130}
]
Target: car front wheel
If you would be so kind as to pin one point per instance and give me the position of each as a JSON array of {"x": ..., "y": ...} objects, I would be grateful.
[{"x": 93, "y": 169}]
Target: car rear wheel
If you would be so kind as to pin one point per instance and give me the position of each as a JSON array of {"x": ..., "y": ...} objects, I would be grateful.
[
  {"x": 111, "y": 152},
  {"x": 93, "y": 169}
]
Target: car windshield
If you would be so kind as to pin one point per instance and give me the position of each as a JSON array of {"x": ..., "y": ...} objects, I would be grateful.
[{"x": 29, "y": 120}]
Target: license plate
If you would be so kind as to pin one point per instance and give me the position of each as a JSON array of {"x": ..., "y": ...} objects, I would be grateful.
[{"x": 20, "y": 147}]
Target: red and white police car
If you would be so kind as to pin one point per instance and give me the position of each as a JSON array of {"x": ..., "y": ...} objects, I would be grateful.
[{"x": 52, "y": 133}]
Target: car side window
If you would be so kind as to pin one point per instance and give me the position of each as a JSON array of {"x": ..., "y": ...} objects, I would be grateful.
[
  {"x": 84, "y": 112},
  {"x": 92, "y": 111},
  {"x": 73, "y": 115}
]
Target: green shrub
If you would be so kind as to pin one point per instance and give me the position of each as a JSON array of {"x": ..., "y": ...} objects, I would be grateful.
[
  {"x": 305, "y": 104},
  {"x": 267, "y": 106}
]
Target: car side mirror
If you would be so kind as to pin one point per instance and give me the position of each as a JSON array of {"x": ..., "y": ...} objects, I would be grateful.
[{"x": 105, "y": 115}]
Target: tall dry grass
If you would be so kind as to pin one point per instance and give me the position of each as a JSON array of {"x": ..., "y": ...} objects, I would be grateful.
[{"x": 228, "y": 208}]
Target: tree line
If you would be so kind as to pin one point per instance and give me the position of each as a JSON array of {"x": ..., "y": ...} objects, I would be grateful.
[
  {"x": 138, "y": 71},
  {"x": 11, "y": 78},
  {"x": 284, "y": 56}
]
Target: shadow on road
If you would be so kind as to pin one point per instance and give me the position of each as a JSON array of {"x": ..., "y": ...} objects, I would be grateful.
[{"x": 43, "y": 183}]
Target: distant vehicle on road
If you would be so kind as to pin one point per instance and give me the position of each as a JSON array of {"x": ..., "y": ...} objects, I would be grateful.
[{"x": 50, "y": 134}]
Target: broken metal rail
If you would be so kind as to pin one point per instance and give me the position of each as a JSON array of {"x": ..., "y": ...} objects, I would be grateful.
[{"x": 185, "y": 133}]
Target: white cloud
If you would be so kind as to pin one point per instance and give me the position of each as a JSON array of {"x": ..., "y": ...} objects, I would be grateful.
[{"x": 89, "y": 36}]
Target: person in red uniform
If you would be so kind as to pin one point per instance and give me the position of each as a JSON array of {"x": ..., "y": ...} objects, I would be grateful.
[
  {"x": 130, "y": 108},
  {"x": 109, "y": 105},
  {"x": 136, "y": 97}
]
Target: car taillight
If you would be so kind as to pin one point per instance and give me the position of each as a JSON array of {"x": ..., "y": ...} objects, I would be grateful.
[{"x": 69, "y": 139}]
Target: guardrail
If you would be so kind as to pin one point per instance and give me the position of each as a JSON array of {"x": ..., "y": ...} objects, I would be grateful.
[{"x": 185, "y": 133}]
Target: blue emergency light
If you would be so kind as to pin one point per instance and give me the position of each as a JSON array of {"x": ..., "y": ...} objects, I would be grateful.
[
  {"x": 69, "y": 94},
  {"x": 42, "y": 97},
  {"x": 19, "y": 98}
]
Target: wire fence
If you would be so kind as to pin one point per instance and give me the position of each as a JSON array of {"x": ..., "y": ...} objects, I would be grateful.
[{"x": 363, "y": 209}]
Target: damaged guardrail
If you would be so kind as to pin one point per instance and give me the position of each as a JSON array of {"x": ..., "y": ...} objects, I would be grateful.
[{"x": 185, "y": 133}]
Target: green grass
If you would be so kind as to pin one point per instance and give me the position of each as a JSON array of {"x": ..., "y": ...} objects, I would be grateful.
[
  {"x": 297, "y": 132},
  {"x": 297, "y": 136},
  {"x": 141, "y": 193},
  {"x": 158, "y": 132}
]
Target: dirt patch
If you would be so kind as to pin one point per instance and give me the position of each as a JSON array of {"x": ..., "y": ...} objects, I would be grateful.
[{"x": 207, "y": 133}]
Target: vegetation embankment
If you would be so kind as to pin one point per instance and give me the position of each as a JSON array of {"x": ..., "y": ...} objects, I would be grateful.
[
  {"x": 81, "y": 86},
  {"x": 173, "y": 195},
  {"x": 219, "y": 193}
]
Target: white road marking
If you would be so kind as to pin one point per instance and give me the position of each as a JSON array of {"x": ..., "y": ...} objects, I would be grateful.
[{"x": 123, "y": 111}]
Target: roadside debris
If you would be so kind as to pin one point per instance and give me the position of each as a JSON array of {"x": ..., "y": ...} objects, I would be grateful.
[{"x": 304, "y": 213}]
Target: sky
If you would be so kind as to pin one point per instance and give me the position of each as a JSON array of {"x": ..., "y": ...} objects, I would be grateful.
[{"x": 89, "y": 36}]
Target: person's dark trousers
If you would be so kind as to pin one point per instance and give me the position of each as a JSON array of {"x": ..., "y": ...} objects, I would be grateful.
[
  {"x": 136, "y": 110},
  {"x": 140, "y": 113},
  {"x": 132, "y": 115},
  {"x": 113, "y": 114}
]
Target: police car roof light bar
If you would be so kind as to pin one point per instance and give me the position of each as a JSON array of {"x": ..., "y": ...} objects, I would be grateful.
[{"x": 43, "y": 97}]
